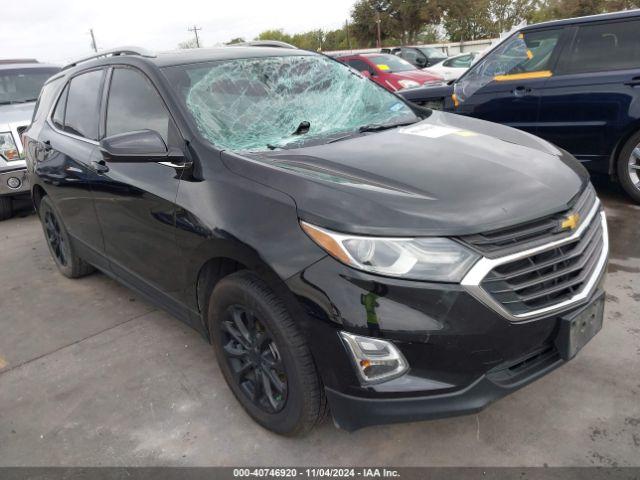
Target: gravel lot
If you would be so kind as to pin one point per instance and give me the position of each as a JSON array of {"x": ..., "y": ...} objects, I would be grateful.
[{"x": 92, "y": 375}]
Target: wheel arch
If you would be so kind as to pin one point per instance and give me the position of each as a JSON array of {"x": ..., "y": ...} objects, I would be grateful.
[
  {"x": 622, "y": 141},
  {"x": 37, "y": 194},
  {"x": 227, "y": 257}
]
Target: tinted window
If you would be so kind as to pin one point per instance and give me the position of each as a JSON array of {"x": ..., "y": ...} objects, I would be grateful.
[
  {"x": 134, "y": 104},
  {"x": 613, "y": 46},
  {"x": 58, "y": 114},
  {"x": 359, "y": 65},
  {"x": 83, "y": 105},
  {"x": 525, "y": 52},
  {"x": 463, "y": 61},
  {"x": 45, "y": 99}
]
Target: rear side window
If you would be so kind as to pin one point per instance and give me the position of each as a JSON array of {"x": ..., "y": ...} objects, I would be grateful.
[
  {"x": 600, "y": 47},
  {"x": 359, "y": 65},
  {"x": 134, "y": 104},
  {"x": 44, "y": 100},
  {"x": 82, "y": 114},
  {"x": 58, "y": 113}
]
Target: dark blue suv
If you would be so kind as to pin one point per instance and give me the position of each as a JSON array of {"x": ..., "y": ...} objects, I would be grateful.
[{"x": 575, "y": 83}]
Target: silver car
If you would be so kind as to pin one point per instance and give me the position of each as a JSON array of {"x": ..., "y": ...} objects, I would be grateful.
[{"x": 20, "y": 84}]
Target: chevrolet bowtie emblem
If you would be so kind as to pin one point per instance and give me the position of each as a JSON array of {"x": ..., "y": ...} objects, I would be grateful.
[{"x": 570, "y": 222}]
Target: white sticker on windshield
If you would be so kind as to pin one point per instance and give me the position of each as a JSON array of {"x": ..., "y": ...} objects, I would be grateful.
[{"x": 429, "y": 131}]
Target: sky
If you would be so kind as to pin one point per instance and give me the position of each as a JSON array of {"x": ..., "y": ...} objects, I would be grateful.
[{"x": 57, "y": 31}]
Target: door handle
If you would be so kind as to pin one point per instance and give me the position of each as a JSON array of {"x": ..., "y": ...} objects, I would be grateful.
[
  {"x": 521, "y": 91},
  {"x": 635, "y": 82},
  {"x": 100, "y": 166}
]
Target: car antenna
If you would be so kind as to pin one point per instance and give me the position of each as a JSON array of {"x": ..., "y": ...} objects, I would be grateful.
[{"x": 302, "y": 128}]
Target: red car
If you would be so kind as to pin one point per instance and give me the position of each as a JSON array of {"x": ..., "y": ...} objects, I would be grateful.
[{"x": 392, "y": 72}]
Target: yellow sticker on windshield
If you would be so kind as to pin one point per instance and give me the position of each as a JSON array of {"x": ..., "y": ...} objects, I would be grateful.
[
  {"x": 384, "y": 67},
  {"x": 529, "y": 54}
]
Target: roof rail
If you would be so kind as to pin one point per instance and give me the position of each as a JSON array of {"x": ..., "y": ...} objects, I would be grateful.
[{"x": 113, "y": 52}]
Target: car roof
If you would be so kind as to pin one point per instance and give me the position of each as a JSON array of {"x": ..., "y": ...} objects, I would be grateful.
[
  {"x": 198, "y": 55},
  {"x": 29, "y": 65},
  {"x": 588, "y": 19}
]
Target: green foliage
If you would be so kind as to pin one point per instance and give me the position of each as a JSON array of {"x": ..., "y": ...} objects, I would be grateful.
[
  {"x": 233, "y": 41},
  {"x": 188, "y": 44},
  {"x": 406, "y": 22}
]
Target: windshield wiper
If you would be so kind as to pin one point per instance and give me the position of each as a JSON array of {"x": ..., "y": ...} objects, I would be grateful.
[
  {"x": 13, "y": 102},
  {"x": 378, "y": 127}
]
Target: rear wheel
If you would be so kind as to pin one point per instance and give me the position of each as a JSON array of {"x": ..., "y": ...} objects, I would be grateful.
[
  {"x": 59, "y": 243},
  {"x": 629, "y": 167},
  {"x": 6, "y": 208},
  {"x": 263, "y": 356}
]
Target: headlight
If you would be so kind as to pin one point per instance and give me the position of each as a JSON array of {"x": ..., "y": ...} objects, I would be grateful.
[
  {"x": 376, "y": 360},
  {"x": 8, "y": 147},
  {"x": 408, "y": 84},
  {"x": 427, "y": 258}
]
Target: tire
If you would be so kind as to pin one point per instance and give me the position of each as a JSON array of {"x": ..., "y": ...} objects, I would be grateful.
[
  {"x": 59, "y": 242},
  {"x": 6, "y": 208},
  {"x": 628, "y": 176},
  {"x": 284, "y": 362}
]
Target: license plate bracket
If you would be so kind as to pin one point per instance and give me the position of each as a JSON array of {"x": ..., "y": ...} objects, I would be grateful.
[{"x": 578, "y": 328}]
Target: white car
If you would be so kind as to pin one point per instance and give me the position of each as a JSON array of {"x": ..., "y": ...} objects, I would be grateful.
[{"x": 451, "y": 68}]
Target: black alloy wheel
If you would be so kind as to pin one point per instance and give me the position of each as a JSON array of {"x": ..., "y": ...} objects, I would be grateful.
[
  {"x": 55, "y": 238},
  {"x": 254, "y": 359}
]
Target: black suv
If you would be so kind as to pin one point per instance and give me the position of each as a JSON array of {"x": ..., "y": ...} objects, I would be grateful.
[{"x": 338, "y": 246}]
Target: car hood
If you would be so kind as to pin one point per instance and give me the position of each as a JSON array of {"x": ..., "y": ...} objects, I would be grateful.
[
  {"x": 20, "y": 113},
  {"x": 416, "y": 75},
  {"x": 446, "y": 175}
]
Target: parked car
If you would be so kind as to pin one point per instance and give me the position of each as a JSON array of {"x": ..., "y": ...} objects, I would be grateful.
[
  {"x": 389, "y": 71},
  {"x": 20, "y": 83},
  {"x": 452, "y": 67},
  {"x": 337, "y": 245},
  {"x": 420, "y": 56},
  {"x": 573, "y": 82}
]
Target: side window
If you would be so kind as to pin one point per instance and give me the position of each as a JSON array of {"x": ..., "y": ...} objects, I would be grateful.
[
  {"x": 45, "y": 98},
  {"x": 83, "y": 105},
  {"x": 359, "y": 65},
  {"x": 459, "y": 62},
  {"x": 599, "y": 47},
  {"x": 409, "y": 54},
  {"x": 58, "y": 114},
  {"x": 524, "y": 55},
  {"x": 134, "y": 104}
]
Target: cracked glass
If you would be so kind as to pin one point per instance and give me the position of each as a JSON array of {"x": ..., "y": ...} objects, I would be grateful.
[{"x": 267, "y": 103}]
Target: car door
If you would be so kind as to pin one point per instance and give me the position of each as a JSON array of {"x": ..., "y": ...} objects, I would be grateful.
[
  {"x": 505, "y": 86},
  {"x": 67, "y": 148},
  {"x": 135, "y": 202},
  {"x": 593, "y": 99}
]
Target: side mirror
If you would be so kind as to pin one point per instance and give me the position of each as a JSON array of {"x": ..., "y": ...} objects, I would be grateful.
[
  {"x": 422, "y": 62},
  {"x": 138, "y": 146},
  {"x": 366, "y": 73}
]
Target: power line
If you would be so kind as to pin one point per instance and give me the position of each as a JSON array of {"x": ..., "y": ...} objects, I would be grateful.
[{"x": 195, "y": 31}]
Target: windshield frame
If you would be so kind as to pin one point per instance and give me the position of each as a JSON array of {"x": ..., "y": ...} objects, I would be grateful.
[
  {"x": 419, "y": 113},
  {"x": 25, "y": 71}
]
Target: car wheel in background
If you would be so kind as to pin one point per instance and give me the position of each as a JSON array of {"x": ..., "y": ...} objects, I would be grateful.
[
  {"x": 58, "y": 241},
  {"x": 629, "y": 167},
  {"x": 263, "y": 356},
  {"x": 6, "y": 208}
]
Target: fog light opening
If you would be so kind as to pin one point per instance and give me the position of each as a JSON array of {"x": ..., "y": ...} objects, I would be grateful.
[
  {"x": 375, "y": 360},
  {"x": 14, "y": 183}
]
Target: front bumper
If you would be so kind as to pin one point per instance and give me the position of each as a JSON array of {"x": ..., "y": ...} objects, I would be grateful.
[
  {"x": 13, "y": 170},
  {"x": 462, "y": 353}
]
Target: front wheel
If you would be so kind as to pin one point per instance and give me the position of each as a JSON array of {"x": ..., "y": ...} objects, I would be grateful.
[
  {"x": 263, "y": 356},
  {"x": 629, "y": 167}
]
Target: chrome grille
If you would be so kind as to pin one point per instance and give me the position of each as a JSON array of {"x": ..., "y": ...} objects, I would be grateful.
[
  {"x": 547, "y": 277},
  {"x": 519, "y": 237}
]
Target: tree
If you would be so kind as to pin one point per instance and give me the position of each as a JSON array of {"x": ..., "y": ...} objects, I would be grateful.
[
  {"x": 275, "y": 34},
  {"x": 558, "y": 9},
  {"x": 233, "y": 41}
]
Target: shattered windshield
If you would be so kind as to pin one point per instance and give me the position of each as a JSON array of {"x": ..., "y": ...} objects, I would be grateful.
[{"x": 256, "y": 104}]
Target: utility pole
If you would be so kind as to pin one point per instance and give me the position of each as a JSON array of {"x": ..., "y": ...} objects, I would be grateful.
[
  {"x": 346, "y": 26},
  {"x": 378, "y": 22},
  {"x": 93, "y": 41},
  {"x": 195, "y": 31}
]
